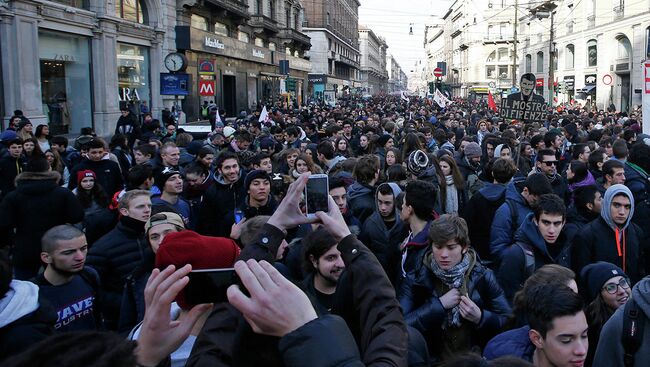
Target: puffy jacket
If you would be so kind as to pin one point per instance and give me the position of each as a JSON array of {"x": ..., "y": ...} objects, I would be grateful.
[
  {"x": 115, "y": 256},
  {"x": 514, "y": 271},
  {"x": 479, "y": 214},
  {"x": 420, "y": 301},
  {"x": 465, "y": 168},
  {"x": 218, "y": 207},
  {"x": 37, "y": 204},
  {"x": 514, "y": 343},
  {"x": 10, "y": 168},
  {"x": 361, "y": 200},
  {"x": 108, "y": 175},
  {"x": 502, "y": 232},
  {"x": 637, "y": 181}
]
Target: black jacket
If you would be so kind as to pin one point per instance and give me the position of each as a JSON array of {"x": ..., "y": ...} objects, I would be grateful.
[
  {"x": 130, "y": 126},
  {"x": 36, "y": 205},
  {"x": 361, "y": 200},
  {"x": 479, "y": 213},
  {"x": 384, "y": 242},
  {"x": 108, "y": 175},
  {"x": 218, "y": 207},
  {"x": 10, "y": 168},
  {"x": 115, "y": 256}
]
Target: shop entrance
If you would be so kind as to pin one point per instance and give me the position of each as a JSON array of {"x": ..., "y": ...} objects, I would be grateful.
[
  {"x": 625, "y": 92},
  {"x": 229, "y": 95},
  {"x": 53, "y": 91}
]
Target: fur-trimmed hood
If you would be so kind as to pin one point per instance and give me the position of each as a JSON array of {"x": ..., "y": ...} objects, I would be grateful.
[
  {"x": 35, "y": 183},
  {"x": 38, "y": 176}
]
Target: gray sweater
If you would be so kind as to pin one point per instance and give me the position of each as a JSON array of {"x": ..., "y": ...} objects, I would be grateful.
[{"x": 610, "y": 348}]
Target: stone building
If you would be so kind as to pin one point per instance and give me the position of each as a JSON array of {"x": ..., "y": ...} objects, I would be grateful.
[{"x": 374, "y": 75}]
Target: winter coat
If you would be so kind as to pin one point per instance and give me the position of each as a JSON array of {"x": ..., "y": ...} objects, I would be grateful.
[
  {"x": 465, "y": 168},
  {"x": 115, "y": 256},
  {"x": 132, "y": 307},
  {"x": 251, "y": 212},
  {"x": 10, "y": 168},
  {"x": 108, "y": 175},
  {"x": 610, "y": 348},
  {"x": 560, "y": 188},
  {"x": 128, "y": 125},
  {"x": 514, "y": 343},
  {"x": 412, "y": 249},
  {"x": 361, "y": 200},
  {"x": 514, "y": 271},
  {"x": 418, "y": 295},
  {"x": 576, "y": 219},
  {"x": 502, "y": 232},
  {"x": 218, "y": 207},
  {"x": 637, "y": 181},
  {"x": 479, "y": 215},
  {"x": 25, "y": 318},
  {"x": 37, "y": 205},
  {"x": 124, "y": 160}
]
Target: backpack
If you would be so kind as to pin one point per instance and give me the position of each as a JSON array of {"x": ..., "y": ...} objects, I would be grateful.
[
  {"x": 529, "y": 257},
  {"x": 632, "y": 336},
  {"x": 90, "y": 276}
]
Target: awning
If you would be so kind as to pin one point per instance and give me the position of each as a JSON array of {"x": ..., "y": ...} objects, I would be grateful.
[{"x": 588, "y": 88}]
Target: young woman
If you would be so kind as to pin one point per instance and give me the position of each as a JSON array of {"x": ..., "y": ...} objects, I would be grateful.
[
  {"x": 503, "y": 151},
  {"x": 578, "y": 175},
  {"x": 450, "y": 297},
  {"x": 452, "y": 189},
  {"x": 524, "y": 159},
  {"x": 25, "y": 130},
  {"x": 393, "y": 156},
  {"x": 288, "y": 160},
  {"x": 342, "y": 147},
  {"x": 98, "y": 219},
  {"x": 365, "y": 146},
  {"x": 43, "y": 136},
  {"x": 304, "y": 164},
  {"x": 31, "y": 148},
  {"x": 411, "y": 144},
  {"x": 54, "y": 159},
  {"x": 607, "y": 288}
]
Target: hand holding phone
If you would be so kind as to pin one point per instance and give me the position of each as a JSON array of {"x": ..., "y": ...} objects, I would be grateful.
[
  {"x": 209, "y": 285},
  {"x": 317, "y": 194}
]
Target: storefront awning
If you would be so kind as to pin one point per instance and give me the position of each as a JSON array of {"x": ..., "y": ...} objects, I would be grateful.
[{"x": 588, "y": 88}]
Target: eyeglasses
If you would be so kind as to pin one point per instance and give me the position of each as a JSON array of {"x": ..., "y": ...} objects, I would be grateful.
[
  {"x": 611, "y": 288},
  {"x": 550, "y": 163}
]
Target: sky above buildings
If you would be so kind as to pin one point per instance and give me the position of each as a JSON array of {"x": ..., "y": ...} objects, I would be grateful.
[{"x": 392, "y": 20}]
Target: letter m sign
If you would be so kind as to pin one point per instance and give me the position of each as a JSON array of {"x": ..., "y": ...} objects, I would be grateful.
[{"x": 206, "y": 88}]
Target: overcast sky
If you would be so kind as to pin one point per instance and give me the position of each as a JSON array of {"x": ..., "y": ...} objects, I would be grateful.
[{"x": 391, "y": 19}]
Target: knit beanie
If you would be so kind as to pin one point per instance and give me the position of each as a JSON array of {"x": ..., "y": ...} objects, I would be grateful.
[
  {"x": 23, "y": 122},
  {"x": 383, "y": 140},
  {"x": 595, "y": 275},
  {"x": 202, "y": 252},
  {"x": 161, "y": 177},
  {"x": 255, "y": 174},
  {"x": 473, "y": 150},
  {"x": 417, "y": 162},
  {"x": 85, "y": 173}
]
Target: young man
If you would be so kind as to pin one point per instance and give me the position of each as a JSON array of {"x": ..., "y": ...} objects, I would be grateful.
[
  {"x": 11, "y": 165},
  {"x": 259, "y": 200},
  {"x": 587, "y": 203},
  {"x": 613, "y": 174},
  {"x": 71, "y": 288},
  {"x": 263, "y": 161},
  {"x": 581, "y": 152},
  {"x": 323, "y": 264},
  {"x": 170, "y": 184},
  {"x": 326, "y": 156},
  {"x": 117, "y": 253},
  {"x": 108, "y": 172},
  {"x": 612, "y": 237},
  {"x": 361, "y": 193},
  {"x": 417, "y": 211},
  {"x": 540, "y": 241},
  {"x": 520, "y": 199},
  {"x": 170, "y": 155},
  {"x": 547, "y": 164},
  {"x": 241, "y": 142},
  {"x": 222, "y": 198},
  {"x": 384, "y": 229},
  {"x": 557, "y": 332},
  {"x": 338, "y": 192},
  {"x": 144, "y": 154}
]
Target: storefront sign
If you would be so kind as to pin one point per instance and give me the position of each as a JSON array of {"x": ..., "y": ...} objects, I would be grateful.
[
  {"x": 214, "y": 43},
  {"x": 61, "y": 57},
  {"x": 570, "y": 82},
  {"x": 590, "y": 79},
  {"x": 228, "y": 72},
  {"x": 206, "y": 67},
  {"x": 317, "y": 79},
  {"x": 174, "y": 84},
  {"x": 128, "y": 94},
  {"x": 206, "y": 88},
  {"x": 259, "y": 54}
]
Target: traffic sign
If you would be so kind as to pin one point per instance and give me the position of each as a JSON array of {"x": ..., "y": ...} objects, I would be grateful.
[
  {"x": 607, "y": 79},
  {"x": 437, "y": 72},
  {"x": 206, "y": 88}
]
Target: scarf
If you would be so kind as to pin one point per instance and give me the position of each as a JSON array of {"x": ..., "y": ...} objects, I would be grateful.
[
  {"x": 451, "y": 202},
  {"x": 453, "y": 278}
]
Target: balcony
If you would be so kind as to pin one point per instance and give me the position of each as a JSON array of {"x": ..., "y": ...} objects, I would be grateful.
[
  {"x": 591, "y": 21},
  {"x": 456, "y": 30},
  {"x": 263, "y": 24},
  {"x": 463, "y": 43},
  {"x": 619, "y": 12},
  {"x": 232, "y": 8},
  {"x": 290, "y": 35},
  {"x": 498, "y": 38}
]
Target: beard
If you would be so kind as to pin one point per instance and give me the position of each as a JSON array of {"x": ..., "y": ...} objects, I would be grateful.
[
  {"x": 329, "y": 278},
  {"x": 63, "y": 272}
]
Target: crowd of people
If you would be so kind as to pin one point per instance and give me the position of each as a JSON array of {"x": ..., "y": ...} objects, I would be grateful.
[{"x": 453, "y": 238}]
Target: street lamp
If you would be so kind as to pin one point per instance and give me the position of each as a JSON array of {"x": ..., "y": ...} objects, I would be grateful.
[{"x": 547, "y": 10}]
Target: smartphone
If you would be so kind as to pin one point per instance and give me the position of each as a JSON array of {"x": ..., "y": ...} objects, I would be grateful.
[
  {"x": 209, "y": 285},
  {"x": 317, "y": 194},
  {"x": 239, "y": 215}
]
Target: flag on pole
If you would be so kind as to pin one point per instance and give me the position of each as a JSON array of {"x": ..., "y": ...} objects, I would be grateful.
[
  {"x": 404, "y": 97},
  {"x": 491, "y": 104},
  {"x": 217, "y": 117},
  {"x": 440, "y": 99},
  {"x": 265, "y": 118}
]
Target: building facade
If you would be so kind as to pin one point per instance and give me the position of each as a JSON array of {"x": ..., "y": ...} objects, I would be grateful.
[
  {"x": 397, "y": 79},
  {"x": 374, "y": 74},
  {"x": 72, "y": 63},
  {"x": 598, "y": 48},
  {"x": 332, "y": 26}
]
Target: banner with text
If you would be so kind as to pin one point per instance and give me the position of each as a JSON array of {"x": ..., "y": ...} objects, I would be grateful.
[{"x": 526, "y": 111}]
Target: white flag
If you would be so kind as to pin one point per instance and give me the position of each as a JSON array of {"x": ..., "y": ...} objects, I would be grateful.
[
  {"x": 440, "y": 99},
  {"x": 217, "y": 117},
  {"x": 263, "y": 115},
  {"x": 404, "y": 97}
]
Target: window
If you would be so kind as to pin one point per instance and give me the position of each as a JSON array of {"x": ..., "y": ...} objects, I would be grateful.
[
  {"x": 624, "y": 48},
  {"x": 491, "y": 72},
  {"x": 569, "y": 56},
  {"x": 259, "y": 42},
  {"x": 288, "y": 17},
  {"x": 199, "y": 22},
  {"x": 83, "y": 4},
  {"x": 296, "y": 20},
  {"x": 592, "y": 53},
  {"x": 328, "y": 18},
  {"x": 540, "y": 62},
  {"x": 259, "y": 7},
  {"x": 272, "y": 46},
  {"x": 272, "y": 6},
  {"x": 130, "y": 10},
  {"x": 647, "y": 43},
  {"x": 243, "y": 37},
  {"x": 221, "y": 29},
  {"x": 503, "y": 55},
  {"x": 529, "y": 62}
]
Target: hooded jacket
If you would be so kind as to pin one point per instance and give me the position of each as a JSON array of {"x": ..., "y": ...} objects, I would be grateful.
[
  {"x": 24, "y": 320},
  {"x": 610, "y": 348},
  {"x": 479, "y": 215},
  {"x": 597, "y": 241},
  {"x": 513, "y": 271},
  {"x": 384, "y": 242},
  {"x": 502, "y": 231},
  {"x": 361, "y": 200},
  {"x": 37, "y": 204},
  {"x": 514, "y": 343},
  {"x": 217, "y": 213}
]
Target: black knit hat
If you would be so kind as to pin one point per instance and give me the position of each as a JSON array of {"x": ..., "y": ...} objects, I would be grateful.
[
  {"x": 595, "y": 275},
  {"x": 161, "y": 177},
  {"x": 254, "y": 174}
]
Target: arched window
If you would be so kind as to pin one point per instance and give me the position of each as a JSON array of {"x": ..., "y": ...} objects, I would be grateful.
[
  {"x": 132, "y": 10},
  {"x": 569, "y": 56},
  {"x": 624, "y": 48},
  {"x": 540, "y": 62},
  {"x": 592, "y": 53},
  {"x": 529, "y": 62}
]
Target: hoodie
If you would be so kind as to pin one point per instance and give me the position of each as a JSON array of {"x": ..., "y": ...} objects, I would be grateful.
[
  {"x": 510, "y": 343},
  {"x": 609, "y": 351},
  {"x": 479, "y": 215},
  {"x": 336, "y": 160},
  {"x": 361, "y": 200},
  {"x": 411, "y": 247},
  {"x": 19, "y": 301}
]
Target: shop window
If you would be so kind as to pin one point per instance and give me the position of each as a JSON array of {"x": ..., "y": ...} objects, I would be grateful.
[
  {"x": 221, "y": 29},
  {"x": 242, "y": 36},
  {"x": 134, "y": 87},
  {"x": 83, "y": 4},
  {"x": 132, "y": 10},
  {"x": 529, "y": 62},
  {"x": 65, "y": 81},
  {"x": 569, "y": 56},
  {"x": 199, "y": 22},
  {"x": 540, "y": 62},
  {"x": 592, "y": 53}
]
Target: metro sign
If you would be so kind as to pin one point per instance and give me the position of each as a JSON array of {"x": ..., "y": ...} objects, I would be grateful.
[{"x": 206, "y": 88}]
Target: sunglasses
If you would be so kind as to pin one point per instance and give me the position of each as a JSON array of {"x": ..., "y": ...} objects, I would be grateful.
[
  {"x": 550, "y": 163},
  {"x": 611, "y": 288}
]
